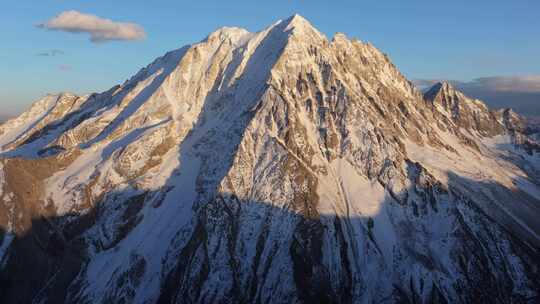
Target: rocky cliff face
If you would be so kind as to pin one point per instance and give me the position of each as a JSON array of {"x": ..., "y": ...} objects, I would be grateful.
[{"x": 272, "y": 167}]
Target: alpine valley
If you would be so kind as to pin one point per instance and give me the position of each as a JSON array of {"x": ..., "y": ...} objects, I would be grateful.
[{"x": 270, "y": 167}]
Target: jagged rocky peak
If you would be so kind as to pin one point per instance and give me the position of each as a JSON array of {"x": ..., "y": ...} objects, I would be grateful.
[
  {"x": 470, "y": 114},
  {"x": 436, "y": 89},
  {"x": 294, "y": 25},
  {"x": 444, "y": 94},
  {"x": 298, "y": 22},
  {"x": 232, "y": 33},
  {"x": 299, "y": 27},
  {"x": 512, "y": 120},
  {"x": 272, "y": 167}
]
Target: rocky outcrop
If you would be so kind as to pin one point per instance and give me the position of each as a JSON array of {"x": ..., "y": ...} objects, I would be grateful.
[{"x": 466, "y": 113}]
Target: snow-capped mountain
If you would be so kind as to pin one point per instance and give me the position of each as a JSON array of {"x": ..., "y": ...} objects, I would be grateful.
[{"x": 273, "y": 167}]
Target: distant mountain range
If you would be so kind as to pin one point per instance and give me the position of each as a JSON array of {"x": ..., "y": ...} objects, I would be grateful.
[
  {"x": 524, "y": 102},
  {"x": 4, "y": 117},
  {"x": 271, "y": 167}
]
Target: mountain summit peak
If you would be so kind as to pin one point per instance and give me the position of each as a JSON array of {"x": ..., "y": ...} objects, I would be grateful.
[
  {"x": 446, "y": 85},
  {"x": 296, "y": 19},
  {"x": 227, "y": 32},
  {"x": 298, "y": 24},
  {"x": 441, "y": 87}
]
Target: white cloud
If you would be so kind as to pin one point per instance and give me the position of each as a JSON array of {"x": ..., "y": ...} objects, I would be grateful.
[
  {"x": 64, "y": 67},
  {"x": 530, "y": 83},
  {"x": 100, "y": 29},
  {"x": 50, "y": 53}
]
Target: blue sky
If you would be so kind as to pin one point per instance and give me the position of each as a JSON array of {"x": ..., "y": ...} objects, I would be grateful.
[{"x": 459, "y": 40}]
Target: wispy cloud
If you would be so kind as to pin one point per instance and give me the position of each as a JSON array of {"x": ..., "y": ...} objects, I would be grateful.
[
  {"x": 425, "y": 83},
  {"x": 529, "y": 84},
  {"x": 65, "y": 67},
  {"x": 99, "y": 29},
  {"x": 50, "y": 53}
]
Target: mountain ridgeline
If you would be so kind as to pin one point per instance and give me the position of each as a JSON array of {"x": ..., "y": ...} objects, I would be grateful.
[{"x": 270, "y": 167}]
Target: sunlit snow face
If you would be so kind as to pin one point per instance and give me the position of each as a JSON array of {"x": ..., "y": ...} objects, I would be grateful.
[{"x": 346, "y": 192}]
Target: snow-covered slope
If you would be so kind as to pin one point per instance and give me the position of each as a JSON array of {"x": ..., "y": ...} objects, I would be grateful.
[{"x": 277, "y": 167}]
